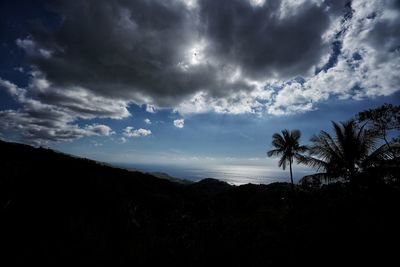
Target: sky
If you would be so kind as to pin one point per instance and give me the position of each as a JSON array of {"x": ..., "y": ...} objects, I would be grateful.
[{"x": 190, "y": 82}]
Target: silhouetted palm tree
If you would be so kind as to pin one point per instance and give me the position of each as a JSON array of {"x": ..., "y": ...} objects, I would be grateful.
[
  {"x": 287, "y": 146},
  {"x": 348, "y": 153}
]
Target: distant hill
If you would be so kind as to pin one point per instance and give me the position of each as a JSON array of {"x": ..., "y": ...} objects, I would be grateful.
[
  {"x": 163, "y": 175},
  {"x": 58, "y": 209},
  {"x": 210, "y": 186}
]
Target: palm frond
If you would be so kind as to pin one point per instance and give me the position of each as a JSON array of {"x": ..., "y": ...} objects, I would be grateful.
[
  {"x": 274, "y": 152},
  {"x": 278, "y": 141},
  {"x": 282, "y": 163},
  {"x": 333, "y": 147},
  {"x": 295, "y": 135},
  {"x": 378, "y": 155},
  {"x": 312, "y": 162},
  {"x": 346, "y": 152},
  {"x": 302, "y": 149}
]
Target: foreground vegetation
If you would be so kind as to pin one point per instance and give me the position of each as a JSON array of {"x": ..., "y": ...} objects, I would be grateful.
[
  {"x": 57, "y": 209},
  {"x": 366, "y": 147}
]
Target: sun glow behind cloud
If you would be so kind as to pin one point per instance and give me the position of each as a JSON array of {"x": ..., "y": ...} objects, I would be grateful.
[
  {"x": 194, "y": 55},
  {"x": 257, "y": 3}
]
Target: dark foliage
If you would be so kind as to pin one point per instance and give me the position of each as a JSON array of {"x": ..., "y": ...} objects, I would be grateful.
[
  {"x": 57, "y": 209},
  {"x": 366, "y": 146},
  {"x": 381, "y": 122},
  {"x": 344, "y": 155}
]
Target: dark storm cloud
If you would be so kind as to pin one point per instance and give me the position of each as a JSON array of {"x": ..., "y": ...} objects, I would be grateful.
[
  {"x": 122, "y": 48},
  {"x": 135, "y": 49},
  {"x": 263, "y": 40},
  {"x": 95, "y": 57}
]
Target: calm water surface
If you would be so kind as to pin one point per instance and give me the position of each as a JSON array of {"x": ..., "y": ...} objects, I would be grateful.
[{"x": 233, "y": 174}]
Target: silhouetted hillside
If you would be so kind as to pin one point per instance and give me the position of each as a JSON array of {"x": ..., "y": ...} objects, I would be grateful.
[
  {"x": 163, "y": 175},
  {"x": 60, "y": 209},
  {"x": 210, "y": 186}
]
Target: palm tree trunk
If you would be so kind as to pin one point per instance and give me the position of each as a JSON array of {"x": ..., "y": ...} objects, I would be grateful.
[{"x": 291, "y": 173}]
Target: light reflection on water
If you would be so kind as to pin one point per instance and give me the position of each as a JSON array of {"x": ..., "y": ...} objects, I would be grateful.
[{"x": 233, "y": 174}]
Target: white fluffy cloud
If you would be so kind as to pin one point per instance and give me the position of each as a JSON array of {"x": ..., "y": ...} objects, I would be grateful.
[
  {"x": 239, "y": 102},
  {"x": 368, "y": 64},
  {"x": 99, "y": 129},
  {"x": 179, "y": 123},
  {"x": 49, "y": 114},
  {"x": 54, "y": 128},
  {"x": 147, "y": 121},
  {"x": 150, "y": 108},
  {"x": 130, "y": 132}
]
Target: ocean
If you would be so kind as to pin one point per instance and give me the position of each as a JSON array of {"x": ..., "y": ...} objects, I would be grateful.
[{"x": 232, "y": 174}]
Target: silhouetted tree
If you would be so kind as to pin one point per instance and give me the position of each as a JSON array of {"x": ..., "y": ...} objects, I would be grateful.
[
  {"x": 351, "y": 151},
  {"x": 288, "y": 147},
  {"x": 381, "y": 121}
]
